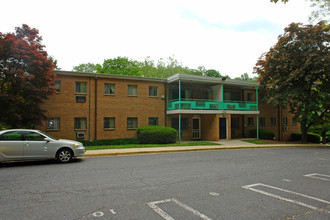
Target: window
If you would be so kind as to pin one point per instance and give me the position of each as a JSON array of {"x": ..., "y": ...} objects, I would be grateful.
[
  {"x": 109, "y": 123},
  {"x": 250, "y": 121},
  {"x": 132, "y": 123},
  {"x": 284, "y": 121},
  {"x": 80, "y": 123},
  {"x": 153, "y": 121},
  {"x": 184, "y": 123},
  {"x": 294, "y": 121},
  {"x": 153, "y": 91},
  {"x": 250, "y": 96},
  {"x": 57, "y": 86},
  {"x": 53, "y": 124},
  {"x": 132, "y": 90},
  {"x": 233, "y": 96},
  {"x": 33, "y": 136},
  {"x": 11, "y": 136},
  {"x": 273, "y": 121},
  {"x": 80, "y": 98},
  {"x": 262, "y": 122},
  {"x": 109, "y": 89},
  {"x": 81, "y": 88}
]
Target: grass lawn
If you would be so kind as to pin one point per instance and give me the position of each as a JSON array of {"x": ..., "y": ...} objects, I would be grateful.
[
  {"x": 256, "y": 142},
  {"x": 147, "y": 145}
]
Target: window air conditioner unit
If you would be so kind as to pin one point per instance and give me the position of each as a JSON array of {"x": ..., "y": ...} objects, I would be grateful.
[{"x": 80, "y": 135}]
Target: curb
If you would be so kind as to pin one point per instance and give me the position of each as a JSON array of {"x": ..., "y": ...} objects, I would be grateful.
[{"x": 191, "y": 149}]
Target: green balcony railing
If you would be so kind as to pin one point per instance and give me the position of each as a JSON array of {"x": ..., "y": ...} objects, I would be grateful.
[{"x": 205, "y": 104}]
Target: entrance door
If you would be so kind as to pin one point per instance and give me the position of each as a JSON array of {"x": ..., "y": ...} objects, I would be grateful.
[
  {"x": 223, "y": 128},
  {"x": 196, "y": 130}
]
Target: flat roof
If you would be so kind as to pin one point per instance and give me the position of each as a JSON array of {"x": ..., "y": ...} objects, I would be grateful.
[
  {"x": 105, "y": 75},
  {"x": 210, "y": 80},
  {"x": 172, "y": 79}
]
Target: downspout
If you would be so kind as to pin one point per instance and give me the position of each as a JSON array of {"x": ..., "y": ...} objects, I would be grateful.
[
  {"x": 179, "y": 111},
  {"x": 165, "y": 86},
  {"x": 243, "y": 118},
  {"x": 89, "y": 110},
  {"x": 258, "y": 113},
  {"x": 95, "y": 122}
]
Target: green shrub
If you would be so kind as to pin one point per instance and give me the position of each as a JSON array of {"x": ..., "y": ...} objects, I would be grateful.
[
  {"x": 263, "y": 134},
  {"x": 110, "y": 142},
  {"x": 311, "y": 137},
  {"x": 156, "y": 135}
]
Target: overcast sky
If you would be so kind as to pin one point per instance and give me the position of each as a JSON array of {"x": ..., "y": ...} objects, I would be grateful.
[{"x": 226, "y": 35}]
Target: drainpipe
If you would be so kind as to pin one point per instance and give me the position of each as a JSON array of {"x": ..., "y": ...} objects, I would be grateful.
[
  {"x": 258, "y": 113},
  {"x": 180, "y": 111},
  {"x": 165, "y": 86},
  {"x": 89, "y": 109},
  {"x": 95, "y": 125}
]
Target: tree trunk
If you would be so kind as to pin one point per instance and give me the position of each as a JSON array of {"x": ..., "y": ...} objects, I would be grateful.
[
  {"x": 324, "y": 141},
  {"x": 303, "y": 126}
]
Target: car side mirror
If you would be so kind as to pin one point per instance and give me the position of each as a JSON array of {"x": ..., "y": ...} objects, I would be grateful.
[{"x": 47, "y": 139}]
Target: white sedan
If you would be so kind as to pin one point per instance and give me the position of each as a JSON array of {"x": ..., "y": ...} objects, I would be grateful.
[{"x": 22, "y": 144}]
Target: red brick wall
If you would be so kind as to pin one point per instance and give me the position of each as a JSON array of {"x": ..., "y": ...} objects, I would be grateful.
[{"x": 120, "y": 106}]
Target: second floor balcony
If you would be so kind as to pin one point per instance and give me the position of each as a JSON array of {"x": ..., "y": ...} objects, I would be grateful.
[{"x": 205, "y": 104}]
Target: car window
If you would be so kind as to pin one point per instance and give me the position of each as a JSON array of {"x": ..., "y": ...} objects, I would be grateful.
[
  {"x": 11, "y": 136},
  {"x": 33, "y": 136}
]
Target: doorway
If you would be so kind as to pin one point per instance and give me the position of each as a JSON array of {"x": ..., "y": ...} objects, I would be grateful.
[
  {"x": 196, "y": 128},
  {"x": 223, "y": 128}
]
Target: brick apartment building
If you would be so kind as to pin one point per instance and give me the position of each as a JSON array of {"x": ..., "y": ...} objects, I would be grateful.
[{"x": 90, "y": 106}]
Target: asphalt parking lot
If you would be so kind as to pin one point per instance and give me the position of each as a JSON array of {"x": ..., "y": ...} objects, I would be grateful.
[{"x": 282, "y": 183}]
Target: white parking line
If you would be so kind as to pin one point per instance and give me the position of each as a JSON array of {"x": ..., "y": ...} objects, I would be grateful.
[
  {"x": 167, "y": 216},
  {"x": 250, "y": 187},
  {"x": 318, "y": 176}
]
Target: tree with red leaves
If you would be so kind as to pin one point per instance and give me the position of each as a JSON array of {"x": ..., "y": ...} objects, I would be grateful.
[{"x": 26, "y": 78}]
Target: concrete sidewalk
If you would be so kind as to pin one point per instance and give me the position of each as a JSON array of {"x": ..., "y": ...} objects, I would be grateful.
[{"x": 225, "y": 145}]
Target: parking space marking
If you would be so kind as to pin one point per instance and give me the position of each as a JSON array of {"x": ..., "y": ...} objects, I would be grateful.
[
  {"x": 318, "y": 176},
  {"x": 250, "y": 187},
  {"x": 166, "y": 216}
]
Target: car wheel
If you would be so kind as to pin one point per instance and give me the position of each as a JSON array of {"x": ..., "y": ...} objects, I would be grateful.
[{"x": 64, "y": 155}]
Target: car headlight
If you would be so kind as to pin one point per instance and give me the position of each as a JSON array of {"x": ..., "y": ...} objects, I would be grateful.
[{"x": 76, "y": 145}]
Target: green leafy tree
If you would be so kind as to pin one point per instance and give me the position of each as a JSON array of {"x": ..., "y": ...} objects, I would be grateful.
[
  {"x": 86, "y": 67},
  {"x": 120, "y": 66},
  {"x": 296, "y": 71},
  {"x": 26, "y": 76},
  {"x": 212, "y": 73},
  {"x": 246, "y": 77}
]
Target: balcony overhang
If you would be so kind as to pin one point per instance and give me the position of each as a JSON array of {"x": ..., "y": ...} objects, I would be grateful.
[{"x": 185, "y": 78}]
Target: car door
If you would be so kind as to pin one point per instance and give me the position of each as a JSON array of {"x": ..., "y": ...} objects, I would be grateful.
[
  {"x": 11, "y": 145},
  {"x": 35, "y": 146}
]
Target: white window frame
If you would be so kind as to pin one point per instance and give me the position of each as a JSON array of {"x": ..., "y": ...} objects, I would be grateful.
[
  {"x": 53, "y": 124},
  {"x": 110, "y": 123},
  {"x": 151, "y": 91},
  {"x": 78, "y": 85},
  {"x": 130, "y": 90},
  {"x": 112, "y": 87}
]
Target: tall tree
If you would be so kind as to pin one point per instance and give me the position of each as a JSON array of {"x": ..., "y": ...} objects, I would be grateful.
[
  {"x": 120, "y": 66},
  {"x": 212, "y": 73},
  {"x": 86, "y": 67},
  {"x": 246, "y": 77},
  {"x": 296, "y": 72},
  {"x": 26, "y": 76}
]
